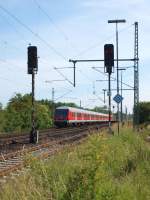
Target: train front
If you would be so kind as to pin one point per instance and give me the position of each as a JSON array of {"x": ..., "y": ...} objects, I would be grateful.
[{"x": 61, "y": 117}]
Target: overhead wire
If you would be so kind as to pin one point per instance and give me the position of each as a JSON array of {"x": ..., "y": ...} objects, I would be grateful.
[
  {"x": 58, "y": 28},
  {"x": 112, "y": 77},
  {"x": 32, "y": 32},
  {"x": 38, "y": 36},
  {"x": 101, "y": 42},
  {"x": 62, "y": 75},
  {"x": 14, "y": 28},
  {"x": 12, "y": 81}
]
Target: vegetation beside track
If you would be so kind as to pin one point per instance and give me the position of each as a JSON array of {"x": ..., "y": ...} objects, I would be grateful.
[
  {"x": 102, "y": 168},
  {"x": 16, "y": 116}
]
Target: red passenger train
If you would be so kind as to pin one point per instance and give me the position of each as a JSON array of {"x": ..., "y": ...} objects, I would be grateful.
[{"x": 65, "y": 116}]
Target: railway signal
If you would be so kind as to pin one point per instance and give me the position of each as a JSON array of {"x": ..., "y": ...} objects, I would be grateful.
[
  {"x": 32, "y": 59},
  {"x": 32, "y": 69},
  {"x": 108, "y": 66},
  {"x": 108, "y": 57}
]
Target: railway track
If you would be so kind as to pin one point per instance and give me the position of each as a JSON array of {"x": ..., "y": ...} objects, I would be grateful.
[
  {"x": 50, "y": 143},
  {"x": 18, "y": 142}
]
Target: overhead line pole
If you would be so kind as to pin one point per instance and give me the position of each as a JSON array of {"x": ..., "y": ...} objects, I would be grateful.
[
  {"x": 121, "y": 69},
  {"x": 74, "y": 70},
  {"x": 136, "y": 80},
  {"x": 116, "y": 22},
  {"x": 53, "y": 104}
]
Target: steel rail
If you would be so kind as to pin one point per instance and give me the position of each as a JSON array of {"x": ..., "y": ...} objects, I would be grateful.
[{"x": 15, "y": 161}]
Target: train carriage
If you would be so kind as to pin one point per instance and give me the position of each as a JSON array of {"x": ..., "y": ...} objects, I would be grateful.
[{"x": 65, "y": 116}]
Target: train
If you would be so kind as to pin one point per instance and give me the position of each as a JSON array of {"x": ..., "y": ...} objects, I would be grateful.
[{"x": 69, "y": 116}]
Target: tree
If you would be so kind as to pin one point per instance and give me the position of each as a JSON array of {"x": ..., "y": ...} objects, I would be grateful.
[
  {"x": 101, "y": 109},
  {"x": 18, "y": 114},
  {"x": 144, "y": 112}
]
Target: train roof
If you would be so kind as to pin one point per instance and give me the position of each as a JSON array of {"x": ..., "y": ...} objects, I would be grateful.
[{"x": 80, "y": 110}]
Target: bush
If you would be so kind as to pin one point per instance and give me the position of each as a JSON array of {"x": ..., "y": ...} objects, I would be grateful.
[{"x": 103, "y": 168}]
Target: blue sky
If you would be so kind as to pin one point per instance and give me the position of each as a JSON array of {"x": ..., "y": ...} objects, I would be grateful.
[{"x": 71, "y": 29}]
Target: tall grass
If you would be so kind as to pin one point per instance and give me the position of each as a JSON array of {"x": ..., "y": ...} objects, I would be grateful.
[{"x": 103, "y": 168}]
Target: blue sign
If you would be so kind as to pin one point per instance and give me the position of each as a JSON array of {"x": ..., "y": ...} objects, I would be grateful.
[{"x": 118, "y": 98}]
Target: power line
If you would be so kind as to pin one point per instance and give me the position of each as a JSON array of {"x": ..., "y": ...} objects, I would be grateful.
[
  {"x": 112, "y": 77},
  {"x": 32, "y": 32},
  {"x": 51, "y": 20},
  {"x": 65, "y": 36},
  {"x": 101, "y": 42},
  {"x": 12, "y": 81},
  {"x": 14, "y": 28},
  {"x": 63, "y": 95},
  {"x": 11, "y": 64},
  {"x": 63, "y": 75},
  {"x": 6, "y": 43}
]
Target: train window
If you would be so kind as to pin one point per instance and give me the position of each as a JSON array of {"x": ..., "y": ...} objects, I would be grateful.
[
  {"x": 61, "y": 112},
  {"x": 78, "y": 114}
]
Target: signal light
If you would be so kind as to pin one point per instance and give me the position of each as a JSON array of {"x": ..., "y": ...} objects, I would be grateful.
[
  {"x": 32, "y": 59},
  {"x": 109, "y": 57}
]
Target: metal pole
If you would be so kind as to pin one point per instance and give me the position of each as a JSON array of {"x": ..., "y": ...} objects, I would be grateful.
[
  {"x": 118, "y": 114},
  {"x": 117, "y": 59},
  {"x": 126, "y": 114},
  {"x": 53, "y": 93},
  {"x": 74, "y": 68},
  {"x": 104, "y": 96},
  {"x": 121, "y": 101},
  {"x": 32, "y": 134},
  {"x": 136, "y": 79},
  {"x": 109, "y": 92}
]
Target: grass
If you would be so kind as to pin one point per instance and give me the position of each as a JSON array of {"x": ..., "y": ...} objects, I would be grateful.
[{"x": 103, "y": 168}]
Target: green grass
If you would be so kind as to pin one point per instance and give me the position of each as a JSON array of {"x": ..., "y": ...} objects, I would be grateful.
[{"x": 103, "y": 168}]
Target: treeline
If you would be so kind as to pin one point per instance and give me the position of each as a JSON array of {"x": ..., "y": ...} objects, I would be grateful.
[{"x": 16, "y": 116}]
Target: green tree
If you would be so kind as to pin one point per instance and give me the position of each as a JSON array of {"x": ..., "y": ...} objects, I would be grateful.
[
  {"x": 144, "y": 112},
  {"x": 2, "y": 117},
  {"x": 43, "y": 119},
  {"x": 18, "y": 114},
  {"x": 101, "y": 109}
]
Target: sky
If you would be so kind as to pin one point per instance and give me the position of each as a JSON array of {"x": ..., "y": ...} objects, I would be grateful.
[{"x": 64, "y": 30}]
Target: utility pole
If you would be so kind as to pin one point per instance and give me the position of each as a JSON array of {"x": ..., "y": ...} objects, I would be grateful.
[
  {"x": 53, "y": 103},
  {"x": 109, "y": 90},
  {"x": 33, "y": 106},
  {"x": 94, "y": 92},
  {"x": 74, "y": 73},
  {"x": 121, "y": 101},
  {"x": 126, "y": 111},
  {"x": 117, "y": 58},
  {"x": 136, "y": 79},
  {"x": 121, "y": 69},
  {"x": 104, "y": 90},
  {"x": 80, "y": 104}
]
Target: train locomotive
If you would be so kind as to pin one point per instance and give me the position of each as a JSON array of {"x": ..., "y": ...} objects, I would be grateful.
[{"x": 69, "y": 116}]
